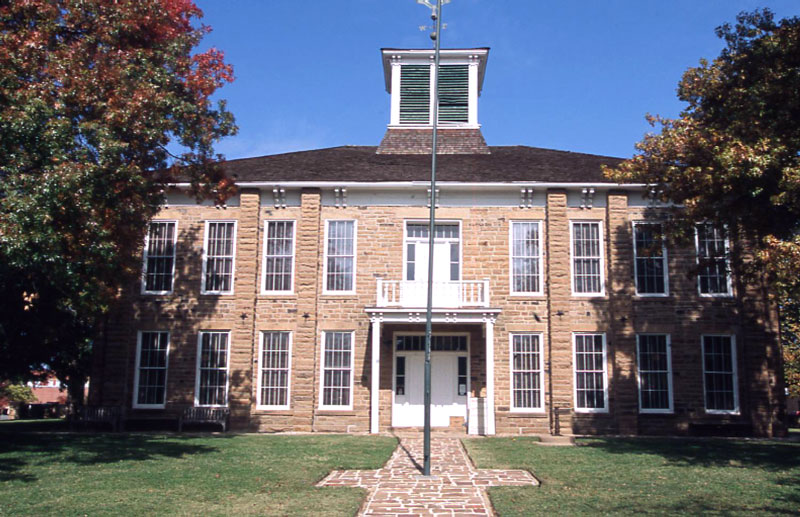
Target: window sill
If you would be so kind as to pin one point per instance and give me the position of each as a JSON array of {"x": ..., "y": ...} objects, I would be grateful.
[{"x": 335, "y": 412}]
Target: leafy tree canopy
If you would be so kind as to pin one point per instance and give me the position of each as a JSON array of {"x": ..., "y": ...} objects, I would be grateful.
[
  {"x": 733, "y": 154},
  {"x": 17, "y": 393},
  {"x": 94, "y": 96}
]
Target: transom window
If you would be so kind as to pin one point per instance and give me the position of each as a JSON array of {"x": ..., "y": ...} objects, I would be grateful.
[
  {"x": 587, "y": 258},
  {"x": 274, "y": 367},
  {"x": 526, "y": 265},
  {"x": 278, "y": 256},
  {"x": 439, "y": 343},
  {"x": 218, "y": 256},
  {"x": 212, "y": 369},
  {"x": 719, "y": 374},
  {"x": 151, "y": 369},
  {"x": 159, "y": 257},
  {"x": 337, "y": 370},
  {"x": 655, "y": 373},
  {"x": 340, "y": 256},
  {"x": 650, "y": 259},
  {"x": 526, "y": 372},
  {"x": 712, "y": 255},
  {"x": 591, "y": 390}
]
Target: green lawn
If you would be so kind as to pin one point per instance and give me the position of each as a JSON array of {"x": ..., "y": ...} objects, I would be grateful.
[
  {"x": 648, "y": 475},
  {"x": 137, "y": 474}
]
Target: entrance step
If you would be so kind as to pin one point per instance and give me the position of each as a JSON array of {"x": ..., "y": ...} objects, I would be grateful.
[
  {"x": 550, "y": 440},
  {"x": 417, "y": 432}
]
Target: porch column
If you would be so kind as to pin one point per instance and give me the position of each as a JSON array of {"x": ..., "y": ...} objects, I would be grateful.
[
  {"x": 489, "y": 406},
  {"x": 375, "y": 374}
]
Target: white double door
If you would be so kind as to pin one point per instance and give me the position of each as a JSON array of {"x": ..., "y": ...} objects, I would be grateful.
[{"x": 409, "y": 407}]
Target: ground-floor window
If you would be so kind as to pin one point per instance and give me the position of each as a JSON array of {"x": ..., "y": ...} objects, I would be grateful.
[
  {"x": 212, "y": 369},
  {"x": 591, "y": 380},
  {"x": 337, "y": 370},
  {"x": 274, "y": 366},
  {"x": 526, "y": 372},
  {"x": 150, "y": 383},
  {"x": 719, "y": 374},
  {"x": 655, "y": 373}
]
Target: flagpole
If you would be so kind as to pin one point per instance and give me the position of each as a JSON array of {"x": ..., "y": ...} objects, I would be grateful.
[{"x": 426, "y": 468}]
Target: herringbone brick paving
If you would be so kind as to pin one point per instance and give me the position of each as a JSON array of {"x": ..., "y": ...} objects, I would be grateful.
[{"x": 455, "y": 486}]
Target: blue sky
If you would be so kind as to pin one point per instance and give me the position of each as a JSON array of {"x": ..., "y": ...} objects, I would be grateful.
[{"x": 577, "y": 75}]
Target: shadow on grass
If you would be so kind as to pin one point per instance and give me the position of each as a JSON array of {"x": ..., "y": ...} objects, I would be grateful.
[
  {"x": 770, "y": 456},
  {"x": 19, "y": 450}
]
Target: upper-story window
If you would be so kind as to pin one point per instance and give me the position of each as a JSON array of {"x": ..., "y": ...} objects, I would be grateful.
[
  {"x": 159, "y": 257},
  {"x": 713, "y": 278},
  {"x": 340, "y": 256},
  {"x": 526, "y": 257},
  {"x": 278, "y": 268},
  {"x": 416, "y": 93},
  {"x": 218, "y": 257},
  {"x": 587, "y": 258},
  {"x": 446, "y": 252},
  {"x": 650, "y": 259}
]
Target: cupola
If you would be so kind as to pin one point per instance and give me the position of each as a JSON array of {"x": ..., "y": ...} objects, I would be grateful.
[{"x": 409, "y": 75}]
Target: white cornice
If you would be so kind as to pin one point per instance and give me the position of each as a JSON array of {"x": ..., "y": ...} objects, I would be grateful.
[{"x": 389, "y": 185}]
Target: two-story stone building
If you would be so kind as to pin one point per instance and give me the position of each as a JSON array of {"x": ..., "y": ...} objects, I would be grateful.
[{"x": 557, "y": 307}]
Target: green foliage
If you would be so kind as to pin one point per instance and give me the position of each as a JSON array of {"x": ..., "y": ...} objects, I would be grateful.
[
  {"x": 733, "y": 155},
  {"x": 17, "y": 393},
  {"x": 92, "y": 93}
]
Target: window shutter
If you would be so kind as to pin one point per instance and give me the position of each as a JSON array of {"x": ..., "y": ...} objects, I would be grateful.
[
  {"x": 453, "y": 93},
  {"x": 415, "y": 94}
]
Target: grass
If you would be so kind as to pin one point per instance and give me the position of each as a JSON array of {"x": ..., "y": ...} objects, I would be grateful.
[
  {"x": 159, "y": 474},
  {"x": 655, "y": 476}
]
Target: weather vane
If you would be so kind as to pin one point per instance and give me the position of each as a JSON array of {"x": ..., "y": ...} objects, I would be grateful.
[{"x": 434, "y": 14}]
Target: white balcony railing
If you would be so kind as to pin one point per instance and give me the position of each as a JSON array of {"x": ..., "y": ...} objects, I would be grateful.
[{"x": 412, "y": 294}]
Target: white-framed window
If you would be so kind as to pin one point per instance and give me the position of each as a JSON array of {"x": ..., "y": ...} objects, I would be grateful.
[
  {"x": 219, "y": 252},
  {"x": 274, "y": 367},
  {"x": 650, "y": 259},
  {"x": 337, "y": 370},
  {"x": 527, "y": 372},
  {"x": 587, "y": 258},
  {"x": 720, "y": 381},
  {"x": 152, "y": 357},
  {"x": 447, "y": 251},
  {"x": 591, "y": 373},
  {"x": 654, "y": 373},
  {"x": 213, "y": 354},
  {"x": 340, "y": 256},
  {"x": 713, "y": 277},
  {"x": 278, "y": 266},
  {"x": 526, "y": 257},
  {"x": 158, "y": 271}
]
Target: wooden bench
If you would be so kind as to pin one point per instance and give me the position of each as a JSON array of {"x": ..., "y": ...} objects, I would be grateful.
[
  {"x": 113, "y": 415},
  {"x": 204, "y": 415}
]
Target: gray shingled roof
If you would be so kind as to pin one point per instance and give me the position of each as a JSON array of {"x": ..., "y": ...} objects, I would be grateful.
[{"x": 360, "y": 163}]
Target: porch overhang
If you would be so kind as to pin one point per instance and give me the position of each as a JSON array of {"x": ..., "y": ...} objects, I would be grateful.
[
  {"x": 440, "y": 315},
  {"x": 484, "y": 316}
]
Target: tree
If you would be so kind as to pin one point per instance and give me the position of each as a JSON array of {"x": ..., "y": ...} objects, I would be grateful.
[
  {"x": 102, "y": 104},
  {"x": 733, "y": 155}
]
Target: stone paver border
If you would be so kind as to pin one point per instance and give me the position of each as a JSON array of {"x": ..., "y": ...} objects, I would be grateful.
[{"x": 455, "y": 486}]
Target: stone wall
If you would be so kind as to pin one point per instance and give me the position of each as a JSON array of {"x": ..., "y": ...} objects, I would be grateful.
[{"x": 307, "y": 312}]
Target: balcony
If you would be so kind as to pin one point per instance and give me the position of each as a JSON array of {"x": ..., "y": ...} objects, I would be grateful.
[{"x": 446, "y": 295}]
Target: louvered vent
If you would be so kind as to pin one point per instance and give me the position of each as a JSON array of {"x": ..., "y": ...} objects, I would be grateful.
[
  {"x": 453, "y": 93},
  {"x": 415, "y": 94}
]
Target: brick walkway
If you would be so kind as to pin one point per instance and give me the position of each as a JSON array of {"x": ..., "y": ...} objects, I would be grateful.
[{"x": 455, "y": 487}]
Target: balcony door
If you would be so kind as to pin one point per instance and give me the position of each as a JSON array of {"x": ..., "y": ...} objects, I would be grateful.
[{"x": 446, "y": 264}]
